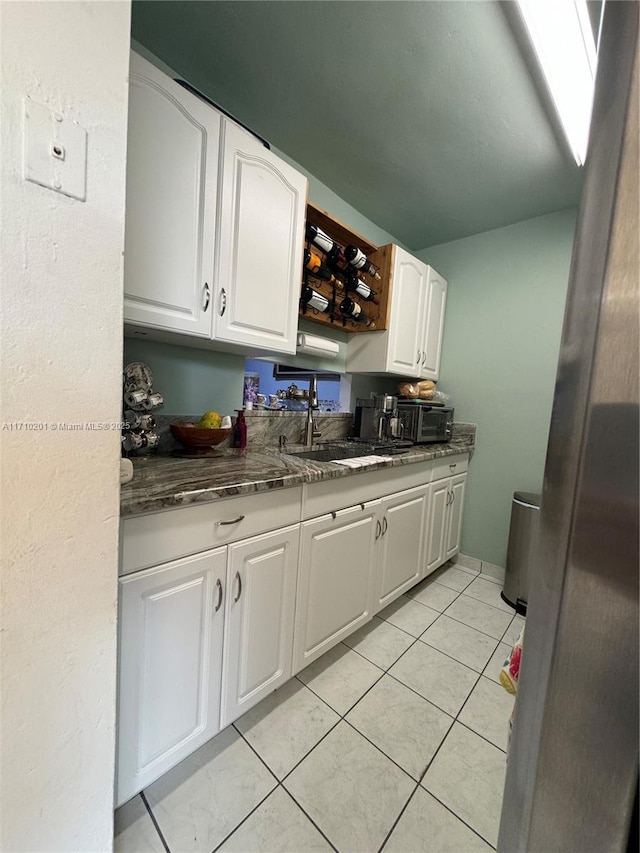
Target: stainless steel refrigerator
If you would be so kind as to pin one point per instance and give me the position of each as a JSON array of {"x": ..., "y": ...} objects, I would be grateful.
[{"x": 572, "y": 774}]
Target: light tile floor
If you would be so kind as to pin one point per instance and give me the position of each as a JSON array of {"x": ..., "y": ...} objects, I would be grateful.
[{"x": 394, "y": 740}]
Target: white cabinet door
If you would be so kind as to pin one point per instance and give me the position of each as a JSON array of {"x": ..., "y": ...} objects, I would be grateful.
[
  {"x": 172, "y": 176},
  {"x": 433, "y": 327},
  {"x": 262, "y": 210},
  {"x": 261, "y": 594},
  {"x": 335, "y": 579},
  {"x": 400, "y": 543},
  {"x": 171, "y": 635},
  {"x": 437, "y": 526},
  {"x": 404, "y": 349},
  {"x": 457, "y": 486}
]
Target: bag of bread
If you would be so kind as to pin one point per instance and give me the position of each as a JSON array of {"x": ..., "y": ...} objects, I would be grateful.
[
  {"x": 408, "y": 389},
  {"x": 426, "y": 389}
]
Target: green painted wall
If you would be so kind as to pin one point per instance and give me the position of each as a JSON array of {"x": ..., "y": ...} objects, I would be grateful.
[
  {"x": 192, "y": 381},
  {"x": 505, "y": 308}
]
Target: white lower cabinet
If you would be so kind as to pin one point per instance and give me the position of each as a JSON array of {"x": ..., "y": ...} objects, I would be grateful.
[
  {"x": 203, "y": 638},
  {"x": 445, "y": 520},
  {"x": 260, "y": 607},
  {"x": 400, "y": 538},
  {"x": 335, "y": 579},
  {"x": 171, "y": 637},
  {"x": 457, "y": 488}
]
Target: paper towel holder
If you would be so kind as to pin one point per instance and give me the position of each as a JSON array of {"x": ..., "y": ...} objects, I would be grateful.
[{"x": 317, "y": 346}]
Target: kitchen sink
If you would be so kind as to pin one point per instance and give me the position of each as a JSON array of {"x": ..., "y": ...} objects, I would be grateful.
[{"x": 331, "y": 454}]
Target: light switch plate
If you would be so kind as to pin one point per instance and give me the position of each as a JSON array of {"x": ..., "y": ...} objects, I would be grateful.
[{"x": 55, "y": 151}]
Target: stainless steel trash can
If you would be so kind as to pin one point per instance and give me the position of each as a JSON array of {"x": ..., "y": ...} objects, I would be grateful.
[{"x": 523, "y": 531}]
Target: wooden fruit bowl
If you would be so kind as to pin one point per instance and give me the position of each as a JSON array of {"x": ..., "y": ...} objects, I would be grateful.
[{"x": 190, "y": 435}]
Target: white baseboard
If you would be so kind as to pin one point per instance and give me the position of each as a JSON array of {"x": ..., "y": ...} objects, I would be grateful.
[
  {"x": 493, "y": 572},
  {"x": 489, "y": 570},
  {"x": 467, "y": 562}
]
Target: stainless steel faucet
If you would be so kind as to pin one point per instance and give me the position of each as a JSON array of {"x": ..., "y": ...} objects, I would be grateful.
[{"x": 310, "y": 432}]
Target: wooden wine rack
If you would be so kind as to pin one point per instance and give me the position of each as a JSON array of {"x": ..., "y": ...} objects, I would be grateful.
[{"x": 380, "y": 256}]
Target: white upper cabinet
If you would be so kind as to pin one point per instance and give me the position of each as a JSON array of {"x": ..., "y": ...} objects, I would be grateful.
[
  {"x": 214, "y": 223},
  {"x": 433, "y": 325},
  {"x": 172, "y": 175},
  {"x": 412, "y": 344},
  {"x": 262, "y": 210},
  {"x": 404, "y": 350}
]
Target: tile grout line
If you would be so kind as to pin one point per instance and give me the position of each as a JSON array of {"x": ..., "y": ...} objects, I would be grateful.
[
  {"x": 468, "y": 825},
  {"x": 380, "y": 749},
  {"x": 451, "y": 657},
  {"x": 310, "y": 819},
  {"x": 397, "y": 820},
  {"x": 486, "y": 739},
  {"x": 244, "y": 819},
  {"x": 154, "y": 821},
  {"x": 424, "y": 787},
  {"x": 242, "y": 737}
]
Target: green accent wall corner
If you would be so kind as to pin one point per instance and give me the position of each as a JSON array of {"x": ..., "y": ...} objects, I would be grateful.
[{"x": 505, "y": 308}]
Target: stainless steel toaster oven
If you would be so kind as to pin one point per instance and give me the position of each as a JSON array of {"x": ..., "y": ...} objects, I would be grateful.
[{"x": 423, "y": 423}]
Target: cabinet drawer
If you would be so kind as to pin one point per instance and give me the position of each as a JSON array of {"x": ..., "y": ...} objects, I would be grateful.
[
  {"x": 450, "y": 466},
  {"x": 162, "y": 536},
  {"x": 331, "y": 495}
]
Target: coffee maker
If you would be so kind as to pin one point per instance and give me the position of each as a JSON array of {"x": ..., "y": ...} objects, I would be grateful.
[{"x": 376, "y": 418}]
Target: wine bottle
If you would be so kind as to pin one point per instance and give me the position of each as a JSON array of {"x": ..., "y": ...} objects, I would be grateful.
[
  {"x": 354, "y": 312},
  {"x": 357, "y": 258},
  {"x": 312, "y": 299},
  {"x": 314, "y": 263},
  {"x": 357, "y": 285},
  {"x": 318, "y": 237}
]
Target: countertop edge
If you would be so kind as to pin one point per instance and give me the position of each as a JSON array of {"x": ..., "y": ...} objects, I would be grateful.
[{"x": 300, "y": 471}]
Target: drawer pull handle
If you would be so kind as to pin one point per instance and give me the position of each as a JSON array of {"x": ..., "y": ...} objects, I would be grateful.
[
  {"x": 239, "y": 579},
  {"x": 219, "y": 601},
  {"x": 233, "y": 521},
  {"x": 362, "y": 507},
  {"x": 334, "y": 514},
  {"x": 378, "y": 530},
  {"x": 453, "y": 467},
  {"x": 384, "y": 525}
]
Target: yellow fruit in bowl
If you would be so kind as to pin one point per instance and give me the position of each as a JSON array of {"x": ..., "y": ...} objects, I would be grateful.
[{"x": 210, "y": 420}]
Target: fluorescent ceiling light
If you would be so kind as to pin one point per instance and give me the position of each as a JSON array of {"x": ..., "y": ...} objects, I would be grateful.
[{"x": 562, "y": 37}]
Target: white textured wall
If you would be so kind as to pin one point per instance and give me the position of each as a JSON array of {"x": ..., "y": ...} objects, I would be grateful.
[{"x": 61, "y": 361}]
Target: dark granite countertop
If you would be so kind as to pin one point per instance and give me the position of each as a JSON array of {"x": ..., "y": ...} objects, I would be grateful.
[{"x": 161, "y": 482}]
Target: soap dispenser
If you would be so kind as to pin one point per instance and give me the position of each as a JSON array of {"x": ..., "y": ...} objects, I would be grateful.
[{"x": 239, "y": 438}]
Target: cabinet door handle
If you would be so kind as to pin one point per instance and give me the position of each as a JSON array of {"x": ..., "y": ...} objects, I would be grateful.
[
  {"x": 219, "y": 601},
  {"x": 223, "y": 301},
  {"x": 239, "y": 579},
  {"x": 419, "y": 356},
  {"x": 453, "y": 467},
  {"x": 232, "y": 521},
  {"x": 448, "y": 498},
  {"x": 424, "y": 357},
  {"x": 384, "y": 525},
  {"x": 207, "y": 297},
  {"x": 378, "y": 529},
  {"x": 453, "y": 496}
]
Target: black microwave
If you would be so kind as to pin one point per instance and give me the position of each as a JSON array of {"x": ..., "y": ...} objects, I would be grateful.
[{"x": 422, "y": 423}]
